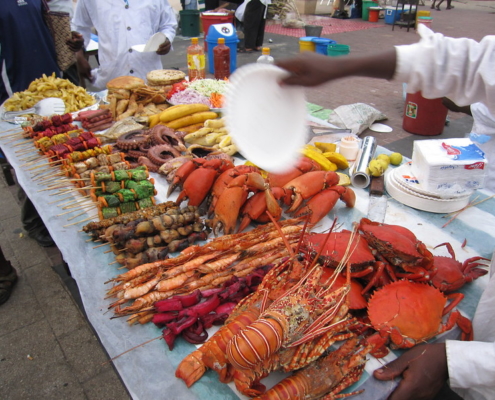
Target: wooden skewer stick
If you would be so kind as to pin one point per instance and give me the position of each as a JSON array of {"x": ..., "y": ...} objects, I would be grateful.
[
  {"x": 23, "y": 152},
  {"x": 78, "y": 215},
  {"x": 22, "y": 144},
  {"x": 30, "y": 158},
  {"x": 113, "y": 262},
  {"x": 72, "y": 201},
  {"x": 10, "y": 135},
  {"x": 71, "y": 211},
  {"x": 15, "y": 140},
  {"x": 10, "y": 130},
  {"x": 72, "y": 190},
  {"x": 65, "y": 198},
  {"x": 48, "y": 180},
  {"x": 42, "y": 174},
  {"x": 471, "y": 204},
  {"x": 50, "y": 165},
  {"x": 133, "y": 348},
  {"x": 78, "y": 222},
  {"x": 101, "y": 245},
  {"x": 79, "y": 205}
]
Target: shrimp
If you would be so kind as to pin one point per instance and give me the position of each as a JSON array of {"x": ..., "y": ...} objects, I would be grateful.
[{"x": 175, "y": 282}]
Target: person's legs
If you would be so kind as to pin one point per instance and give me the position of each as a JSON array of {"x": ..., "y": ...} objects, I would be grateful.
[
  {"x": 253, "y": 15},
  {"x": 8, "y": 278},
  {"x": 261, "y": 31},
  {"x": 438, "y": 5},
  {"x": 32, "y": 222}
]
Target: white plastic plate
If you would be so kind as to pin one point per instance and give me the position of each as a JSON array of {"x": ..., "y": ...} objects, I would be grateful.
[
  {"x": 421, "y": 202},
  {"x": 152, "y": 45},
  {"x": 377, "y": 127},
  {"x": 155, "y": 41},
  {"x": 267, "y": 121}
]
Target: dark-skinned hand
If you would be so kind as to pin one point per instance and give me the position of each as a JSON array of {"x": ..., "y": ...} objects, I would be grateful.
[
  {"x": 83, "y": 66},
  {"x": 309, "y": 69},
  {"x": 76, "y": 42},
  {"x": 423, "y": 369},
  {"x": 164, "y": 48}
]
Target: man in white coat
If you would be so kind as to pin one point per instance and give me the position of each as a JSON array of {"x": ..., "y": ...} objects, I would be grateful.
[{"x": 121, "y": 24}]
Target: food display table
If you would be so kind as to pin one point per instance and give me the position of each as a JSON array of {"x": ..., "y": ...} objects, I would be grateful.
[{"x": 149, "y": 371}]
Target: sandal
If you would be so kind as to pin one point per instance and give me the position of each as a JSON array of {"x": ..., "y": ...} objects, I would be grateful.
[
  {"x": 7, "y": 283},
  {"x": 248, "y": 51}
]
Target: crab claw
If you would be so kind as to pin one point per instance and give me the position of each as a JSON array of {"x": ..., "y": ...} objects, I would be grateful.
[
  {"x": 309, "y": 184},
  {"x": 227, "y": 209},
  {"x": 321, "y": 203}
]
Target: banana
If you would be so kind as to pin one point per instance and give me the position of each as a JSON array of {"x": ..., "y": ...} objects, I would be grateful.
[{"x": 325, "y": 164}]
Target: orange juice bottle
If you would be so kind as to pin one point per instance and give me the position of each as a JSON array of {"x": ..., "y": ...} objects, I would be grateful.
[{"x": 196, "y": 60}]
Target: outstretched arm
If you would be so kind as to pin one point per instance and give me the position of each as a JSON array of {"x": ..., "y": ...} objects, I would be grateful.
[{"x": 312, "y": 69}]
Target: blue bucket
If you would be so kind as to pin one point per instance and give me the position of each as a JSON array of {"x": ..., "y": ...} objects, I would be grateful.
[{"x": 322, "y": 45}]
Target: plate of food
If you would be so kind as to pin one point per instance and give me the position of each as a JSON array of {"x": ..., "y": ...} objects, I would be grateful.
[
  {"x": 266, "y": 121},
  {"x": 75, "y": 97}
]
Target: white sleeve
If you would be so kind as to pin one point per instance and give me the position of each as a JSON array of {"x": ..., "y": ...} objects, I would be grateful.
[
  {"x": 81, "y": 22},
  {"x": 472, "y": 366},
  {"x": 461, "y": 69},
  {"x": 168, "y": 22}
]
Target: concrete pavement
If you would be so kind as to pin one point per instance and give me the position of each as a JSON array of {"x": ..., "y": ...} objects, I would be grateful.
[{"x": 47, "y": 348}]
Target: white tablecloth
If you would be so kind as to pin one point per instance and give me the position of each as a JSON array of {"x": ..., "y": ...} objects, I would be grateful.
[{"x": 148, "y": 372}]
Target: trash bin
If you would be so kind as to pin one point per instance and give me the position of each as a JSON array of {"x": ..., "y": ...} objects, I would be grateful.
[
  {"x": 189, "y": 23},
  {"x": 322, "y": 45},
  {"x": 313, "y": 30},
  {"x": 336, "y": 50},
  {"x": 228, "y": 32},
  {"x": 422, "y": 116},
  {"x": 213, "y": 18},
  {"x": 374, "y": 13},
  {"x": 306, "y": 43},
  {"x": 366, "y": 6}
]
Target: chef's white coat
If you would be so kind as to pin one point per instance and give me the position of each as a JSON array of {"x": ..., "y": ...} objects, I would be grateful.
[
  {"x": 464, "y": 71},
  {"x": 121, "y": 24}
]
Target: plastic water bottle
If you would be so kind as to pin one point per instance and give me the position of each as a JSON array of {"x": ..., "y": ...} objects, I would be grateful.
[
  {"x": 221, "y": 59},
  {"x": 196, "y": 60},
  {"x": 265, "y": 57}
]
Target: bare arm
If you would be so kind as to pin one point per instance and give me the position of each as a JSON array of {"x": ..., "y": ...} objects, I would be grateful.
[{"x": 312, "y": 69}]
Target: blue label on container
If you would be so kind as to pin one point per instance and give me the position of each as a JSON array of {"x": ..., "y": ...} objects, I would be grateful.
[{"x": 469, "y": 152}]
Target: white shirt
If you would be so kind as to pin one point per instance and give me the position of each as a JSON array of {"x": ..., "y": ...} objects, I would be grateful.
[
  {"x": 460, "y": 69},
  {"x": 463, "y": 70},
  {"x": 118, "y": 29}
]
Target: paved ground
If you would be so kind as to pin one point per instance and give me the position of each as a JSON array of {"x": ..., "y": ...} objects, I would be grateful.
[{"x": 47, "y": 348}]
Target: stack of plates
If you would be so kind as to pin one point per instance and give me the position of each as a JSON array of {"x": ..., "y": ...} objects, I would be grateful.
[{"x": 405, "y": 188}]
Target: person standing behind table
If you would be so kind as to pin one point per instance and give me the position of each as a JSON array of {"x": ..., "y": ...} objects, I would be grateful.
[
  {"x": 466, "y": 70},
  {"x": 27, "y": 52},
  {"x": 26, "y": 46},
  {"x": 254, "y": 24},
  {"x": 121, "y": 24}
]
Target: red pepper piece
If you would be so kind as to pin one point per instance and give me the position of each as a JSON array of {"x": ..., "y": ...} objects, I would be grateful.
[{"x": 201, "y": 309}]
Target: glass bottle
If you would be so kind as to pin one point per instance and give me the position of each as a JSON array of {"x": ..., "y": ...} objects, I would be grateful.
[
  {"x": 221, "y": 59},
  {"x": 265, "y": 57},
  {"x": 196, "y": 60}
]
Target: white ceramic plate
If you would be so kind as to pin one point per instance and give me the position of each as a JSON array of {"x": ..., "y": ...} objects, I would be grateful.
[
  {"x": 267, "y": 121},
  {"x": 377, "y": 127}
]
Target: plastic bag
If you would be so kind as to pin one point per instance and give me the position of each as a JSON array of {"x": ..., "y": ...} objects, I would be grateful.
[{"x": 356, "y": 117}]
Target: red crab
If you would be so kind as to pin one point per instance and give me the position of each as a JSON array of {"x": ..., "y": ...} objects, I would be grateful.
[
  {"x": 335, "y": 247},
  {"x": 451, "y": 274},
  {"x": 400, "y": 247},
  {"x": 408, "y": 313}
]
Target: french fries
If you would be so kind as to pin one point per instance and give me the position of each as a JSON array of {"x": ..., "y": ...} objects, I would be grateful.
[{"x": 74, "y": 97}]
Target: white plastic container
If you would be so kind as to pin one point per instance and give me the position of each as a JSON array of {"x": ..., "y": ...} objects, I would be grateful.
[{"x": 349, "y": 147}]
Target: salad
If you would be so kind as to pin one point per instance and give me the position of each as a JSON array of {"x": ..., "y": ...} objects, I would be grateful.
[{"x": 204, "y": 91}]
